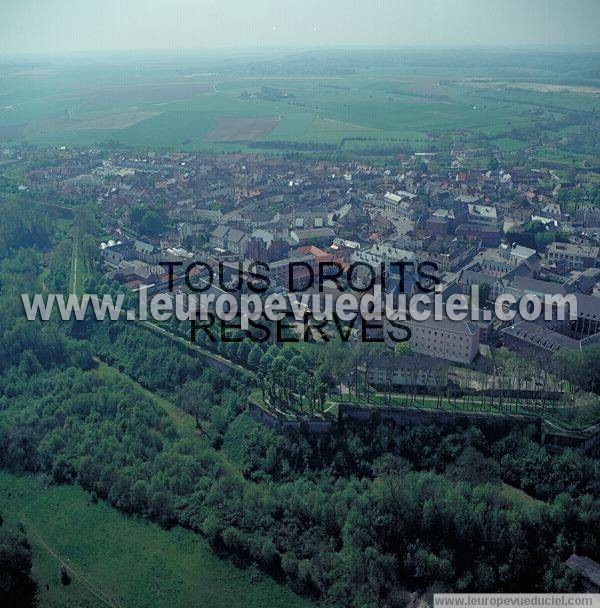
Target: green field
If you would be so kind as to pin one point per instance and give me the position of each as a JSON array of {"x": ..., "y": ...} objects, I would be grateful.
[
  {"x": 118, "y": 561},
  {"x": 310, "y": 115},
  {"x": 162, "y": 106},
  {"x": 508, "y": 144}
]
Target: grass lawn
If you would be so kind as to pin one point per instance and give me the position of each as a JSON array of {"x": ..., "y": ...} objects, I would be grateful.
[
  {"x": 518, "y": 497},
  {"x": 509, "y": 144},
  {"x": 461, "y": 404},
  {"x": 116, "y": 560}
]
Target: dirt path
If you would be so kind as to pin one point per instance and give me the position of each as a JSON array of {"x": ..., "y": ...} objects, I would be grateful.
[
  {"x": 103, "y": 596},
  {"x": 74, "y": 261}
]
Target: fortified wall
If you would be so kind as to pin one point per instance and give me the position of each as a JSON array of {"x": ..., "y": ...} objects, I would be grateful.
[{"x": 492, "y": 424}]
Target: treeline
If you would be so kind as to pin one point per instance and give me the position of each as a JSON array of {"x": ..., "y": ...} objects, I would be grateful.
[
  {"x": 535, "y": 235},
  {"x": 462, "y": 455},
  {"x": 354, "y": 518},
  {"x": 21, "y": 227},
  {"x": 148, "y": 220},
  {"x": 571, "y": 364},
  {"x": 152, "y": 361},
  {"x": 292, "y": 145},
  {"x": 174, "y": 372}
]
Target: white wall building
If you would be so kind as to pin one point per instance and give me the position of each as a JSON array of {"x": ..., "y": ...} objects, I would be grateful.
[{"x": 456, "y": 341}]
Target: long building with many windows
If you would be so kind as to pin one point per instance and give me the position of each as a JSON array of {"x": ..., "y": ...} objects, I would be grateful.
[{"x": 456, "y": 341}]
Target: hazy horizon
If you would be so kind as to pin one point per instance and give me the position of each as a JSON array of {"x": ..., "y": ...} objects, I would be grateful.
[{"x": 89, "y": 26}]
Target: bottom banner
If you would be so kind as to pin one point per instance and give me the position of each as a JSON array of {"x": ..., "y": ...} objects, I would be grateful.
[{"x": 506, "y": 600}]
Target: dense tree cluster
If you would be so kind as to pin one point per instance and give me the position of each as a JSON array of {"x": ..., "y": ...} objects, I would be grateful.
[
  {"x": 20, "y": 227},
  {"x": 572, "y": 362},
  {"x": 17, "y": 588},
  {"x": 148, "y": 220}
]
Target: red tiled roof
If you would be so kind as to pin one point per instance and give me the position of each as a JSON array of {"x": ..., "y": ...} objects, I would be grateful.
[{"x": 311, "y": 250}]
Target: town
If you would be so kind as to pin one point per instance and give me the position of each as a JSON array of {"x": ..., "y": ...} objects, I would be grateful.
[{"x": 507, "y": 230}]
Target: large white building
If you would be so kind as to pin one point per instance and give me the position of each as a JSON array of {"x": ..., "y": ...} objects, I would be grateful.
[
  {"x": 383, "y": 253},
  {"x": 485, "y": 216},
  {"x": 456, "y": 341}
]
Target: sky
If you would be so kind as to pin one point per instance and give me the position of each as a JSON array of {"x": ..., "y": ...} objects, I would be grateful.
[{"x": 74, "y": 26}]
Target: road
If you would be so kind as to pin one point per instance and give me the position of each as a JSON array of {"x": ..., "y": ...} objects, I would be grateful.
[{"x": 74, "y": 261}]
